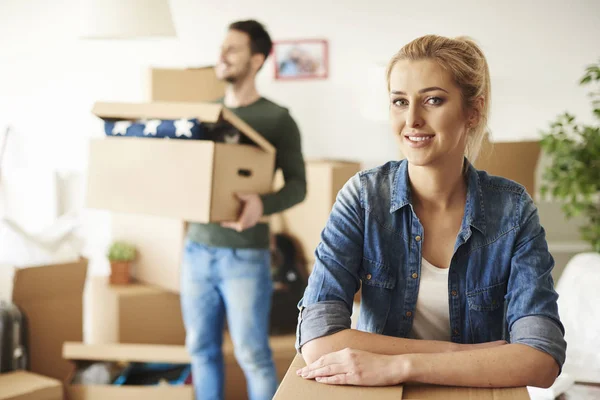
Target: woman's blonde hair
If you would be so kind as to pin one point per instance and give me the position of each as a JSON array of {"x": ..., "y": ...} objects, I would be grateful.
[{"x": 467, "y": 65}]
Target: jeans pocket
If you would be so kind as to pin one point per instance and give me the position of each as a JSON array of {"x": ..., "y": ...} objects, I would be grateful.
[
  {"x": 251, "y": 256},
  {"x": 195, "y": 262}
]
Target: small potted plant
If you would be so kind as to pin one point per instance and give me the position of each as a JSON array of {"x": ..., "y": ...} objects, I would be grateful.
[
  {"x": 573, "y": 176},
  {"x": 121, "y": 255}
]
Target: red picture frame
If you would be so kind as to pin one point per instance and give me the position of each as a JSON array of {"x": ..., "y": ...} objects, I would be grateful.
[{"x": 301, "y": 59}]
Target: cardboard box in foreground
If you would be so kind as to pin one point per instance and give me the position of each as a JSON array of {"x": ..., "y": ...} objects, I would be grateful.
[
  {"x": 23, "y": 385},
  {"x": 294, "y": 387},
  {"x": 51, "y": 297},
  {"x": 191, "y": 180}
]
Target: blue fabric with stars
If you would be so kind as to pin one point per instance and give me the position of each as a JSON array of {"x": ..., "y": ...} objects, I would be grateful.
[{"x": 173, "y": 129}]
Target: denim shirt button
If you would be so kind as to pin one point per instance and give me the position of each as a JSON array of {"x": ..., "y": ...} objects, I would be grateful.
[
  {"x": 454, "y": 293},
  {"x": 418, "y": 238},
  {"x": 368, "y": 277},
  {"x": 456, "y": 332},
  {"x": 408, "y": 314},
  {"x": 415, "y": 275}
]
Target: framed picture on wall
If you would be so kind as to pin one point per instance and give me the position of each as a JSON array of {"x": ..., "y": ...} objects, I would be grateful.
[{"x": 301, "y": 59}]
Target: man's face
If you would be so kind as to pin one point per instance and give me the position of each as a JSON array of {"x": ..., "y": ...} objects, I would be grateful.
[{"x": 234, "y": 63}]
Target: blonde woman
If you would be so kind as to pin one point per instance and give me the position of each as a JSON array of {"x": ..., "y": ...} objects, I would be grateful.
[{"x": 453, "y": 262}]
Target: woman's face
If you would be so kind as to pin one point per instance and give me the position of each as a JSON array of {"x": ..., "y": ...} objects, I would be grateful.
[{"x": 426, "y": 111}]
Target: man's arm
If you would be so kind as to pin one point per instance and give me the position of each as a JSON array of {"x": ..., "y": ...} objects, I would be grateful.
[{"x": 289, "y": 158}]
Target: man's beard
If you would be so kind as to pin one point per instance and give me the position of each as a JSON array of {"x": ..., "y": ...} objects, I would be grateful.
[{"x": 233, "y": 79}]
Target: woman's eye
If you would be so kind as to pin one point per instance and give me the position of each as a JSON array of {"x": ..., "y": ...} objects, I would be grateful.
[
  {"x": 435, "y": 101},
  {"x": 400, "y": 102}
]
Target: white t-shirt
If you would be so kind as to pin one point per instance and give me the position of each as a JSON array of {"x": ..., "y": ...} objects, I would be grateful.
[{"x": 432, "y": 315}]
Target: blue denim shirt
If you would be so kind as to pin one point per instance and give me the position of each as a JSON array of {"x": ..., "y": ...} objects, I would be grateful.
[{"x": 499, "y": 284}]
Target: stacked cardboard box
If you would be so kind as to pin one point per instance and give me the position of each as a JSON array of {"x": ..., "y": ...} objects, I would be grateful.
[
  {"x": 134, "y": 313},
  {"x": 23, "y": 385},
  {"x": 51, "y": 299}
]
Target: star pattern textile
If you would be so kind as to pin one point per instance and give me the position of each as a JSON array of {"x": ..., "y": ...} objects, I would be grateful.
[
  {"x": 183, "y": 127},
  {"x": 156, "y": 128},
  {"x": 152, "y": 127},
  {"x": 120, "y": 128}
]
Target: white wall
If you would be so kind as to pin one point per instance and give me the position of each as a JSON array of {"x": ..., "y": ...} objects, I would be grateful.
[{"x": 49, "y": 78}]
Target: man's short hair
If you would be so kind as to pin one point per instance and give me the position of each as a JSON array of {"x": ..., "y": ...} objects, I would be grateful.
[{"x": 260, "y": 41}]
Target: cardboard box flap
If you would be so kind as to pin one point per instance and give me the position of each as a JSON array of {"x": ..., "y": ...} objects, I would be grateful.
[
  {"x": 125, "y": 352},
  {"x": 58, "y": 280},
  {"x": 23, "y": 383},
  {"x": 205, "y": 112},
  {"x": 248, "y": 131}
]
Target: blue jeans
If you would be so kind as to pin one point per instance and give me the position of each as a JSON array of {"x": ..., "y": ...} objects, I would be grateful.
[{"x": 219, "y": 282}]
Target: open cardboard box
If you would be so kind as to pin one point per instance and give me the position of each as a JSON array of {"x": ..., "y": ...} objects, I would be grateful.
[
  {"x": 294, "y": 387},
  {"x": 23, "y": 385},
  {"x": 125, "y": 352},
  {"x": 185, "y": 84},
  {"x": 235, "y": 384},
  {"x": 51, "y": 298},
  {"x": 191, "y": 180}
]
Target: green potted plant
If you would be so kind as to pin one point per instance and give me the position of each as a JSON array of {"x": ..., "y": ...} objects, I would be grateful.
[
  {"x": 573, "y": 175},
  {"x": 121, "y": 255}
]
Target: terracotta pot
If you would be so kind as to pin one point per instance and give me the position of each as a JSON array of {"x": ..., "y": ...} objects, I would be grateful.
[{"x": 120, "y": 272}]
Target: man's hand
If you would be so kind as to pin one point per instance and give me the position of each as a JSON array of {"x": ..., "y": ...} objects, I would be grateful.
[
  {"x": 252, "y": 211},
  {"x": 357, "y": 367}
]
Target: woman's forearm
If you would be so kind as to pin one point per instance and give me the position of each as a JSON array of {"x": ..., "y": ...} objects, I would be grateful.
[
  {"x": 380, "y": 344},
  {"x": 503, "y": 366}
]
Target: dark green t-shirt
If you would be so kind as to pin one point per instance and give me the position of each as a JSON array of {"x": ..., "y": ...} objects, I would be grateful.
[{"x": 276, "y": 125}]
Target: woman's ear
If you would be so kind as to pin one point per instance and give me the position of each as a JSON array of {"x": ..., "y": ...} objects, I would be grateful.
[{"x": 476, "y": 112}]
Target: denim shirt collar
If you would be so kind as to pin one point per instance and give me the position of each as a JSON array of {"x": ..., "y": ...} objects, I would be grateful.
[{"x": 474, "y": 208}]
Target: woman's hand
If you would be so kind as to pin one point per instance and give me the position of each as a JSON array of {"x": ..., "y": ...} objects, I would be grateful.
[{"x": 357, "y": 367}]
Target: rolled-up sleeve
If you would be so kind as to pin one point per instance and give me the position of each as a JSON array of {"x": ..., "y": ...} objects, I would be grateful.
[
  {"x": 327, "y": 303},
  {"x": 532, "y": 313}
]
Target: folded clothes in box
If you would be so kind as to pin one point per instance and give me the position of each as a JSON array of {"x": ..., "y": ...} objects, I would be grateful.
[
  {"x": 154, "y": 374},
  {"x": 221, "y": 131},
  {"x": 176, "y": 129},
  {"x": 132, "y": 373}
]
